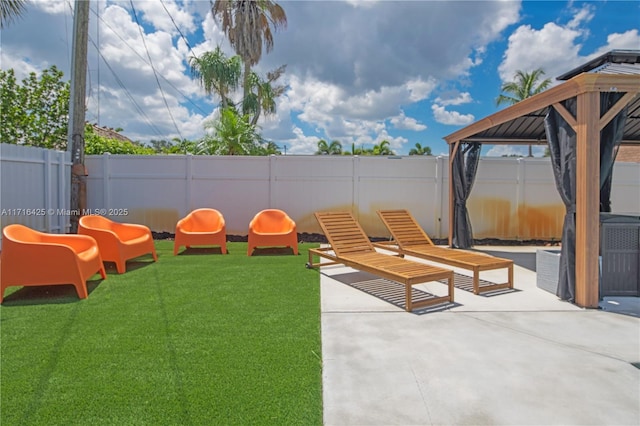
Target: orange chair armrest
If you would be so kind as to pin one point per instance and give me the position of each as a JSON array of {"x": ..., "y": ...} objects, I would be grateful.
[
  {"x": 127, "y": 231},
  {"x": 77, "y": 243}
]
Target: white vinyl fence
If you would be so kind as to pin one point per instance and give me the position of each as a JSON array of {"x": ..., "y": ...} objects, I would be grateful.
[
  {"x": 512, "y": 198},
  {"x": 35, "y": 188}
]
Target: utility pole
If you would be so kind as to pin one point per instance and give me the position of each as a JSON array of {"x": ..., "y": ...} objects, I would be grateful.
[{"x": 75, "y": 137}]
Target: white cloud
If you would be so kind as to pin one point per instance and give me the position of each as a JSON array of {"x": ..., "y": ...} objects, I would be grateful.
[
  {"x": 299, "y": 143},
  {"x": 167, "y": 20},
  {"x": 459, "y": 99},
  {"x": 420, "y": 89},
  {"x": 454, "y": 118},
  {"x": 53, "y": 7},
  {"x": 556, "y": 48},
  {"x": 582, "y": 16},
  {"x": 403, "y": 122},
  {"x": 351, "y": 80},
  {"x": 552, "y": 48},
  {"x": 627, "y": 40}
]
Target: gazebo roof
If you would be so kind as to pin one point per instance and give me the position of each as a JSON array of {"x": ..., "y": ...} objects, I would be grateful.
[{"x": 523, "y": 123}]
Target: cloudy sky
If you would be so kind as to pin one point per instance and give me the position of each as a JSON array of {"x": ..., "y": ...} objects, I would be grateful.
[{"x": 357, "y": 71}]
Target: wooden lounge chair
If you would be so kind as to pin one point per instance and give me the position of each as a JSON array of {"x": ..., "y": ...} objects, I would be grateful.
[
  {"x": 350, "y": 246},
  {"x": 409, "y": 239}
]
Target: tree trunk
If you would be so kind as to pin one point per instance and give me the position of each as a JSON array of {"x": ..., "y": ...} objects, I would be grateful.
[{"x": 246, "y": 86}]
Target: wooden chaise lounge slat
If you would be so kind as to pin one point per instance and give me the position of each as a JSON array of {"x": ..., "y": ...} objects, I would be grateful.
[
  {"x": 350, "y": 246},
  {"x": 410, "y": 239}
]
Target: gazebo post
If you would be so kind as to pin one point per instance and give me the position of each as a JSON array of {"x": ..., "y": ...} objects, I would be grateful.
[
  {"x": 587, "y": 199},
  {"x": 453, "y": 148}
]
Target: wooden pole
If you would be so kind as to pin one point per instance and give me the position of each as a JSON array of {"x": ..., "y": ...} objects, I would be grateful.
[
  {"x": 75, "y": 137},
  {"x": 587, "y": 200},
  {"x": 453, "y": 149}
]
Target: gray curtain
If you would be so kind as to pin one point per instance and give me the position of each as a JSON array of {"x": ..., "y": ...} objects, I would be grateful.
[
  {"x": 465, "y": 165},
  {"x": 562, "y": 147},
  {"x": 610, "y": 139}
]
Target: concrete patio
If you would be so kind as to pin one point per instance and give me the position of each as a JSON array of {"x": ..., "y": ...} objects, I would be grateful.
[{"x": 520, "y": 357}]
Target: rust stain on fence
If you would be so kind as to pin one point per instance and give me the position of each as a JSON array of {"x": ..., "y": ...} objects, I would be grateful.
[
  {"x": 540, "y": 222},
  {"x": 159, "y": 220},
  {"x": 493, "y": 217}
]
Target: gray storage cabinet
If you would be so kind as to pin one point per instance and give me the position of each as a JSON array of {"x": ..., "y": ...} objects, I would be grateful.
[
  {"x": 548, "y": 270},
  {"x": 620, "y": 253}
]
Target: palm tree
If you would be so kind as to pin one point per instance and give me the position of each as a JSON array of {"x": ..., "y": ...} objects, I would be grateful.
[
  {"x": 269, "y": 148},
  {"x": 356, "y": 151},
  {"x": 263, "y": 94},
  {"x": 248, "y": 24},
  {"x": 383, "y": 148},
  {"x": 217, "y": 74},
  {"x": 333, "y": 148},
  {"x": 420, "y": 150},
  {"x": 10, "y": 10},
  {"x": 524, "y": 86},
  {"x": 232, "y": 135}
]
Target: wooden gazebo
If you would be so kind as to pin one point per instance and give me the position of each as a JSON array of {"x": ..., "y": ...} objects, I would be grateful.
[{"x": 523, "y": 124}]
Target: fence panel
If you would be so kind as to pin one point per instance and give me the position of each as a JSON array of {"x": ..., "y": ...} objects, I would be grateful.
[
  {"x": 511, "y": 199},
  {"x": 35, "y": 188}
]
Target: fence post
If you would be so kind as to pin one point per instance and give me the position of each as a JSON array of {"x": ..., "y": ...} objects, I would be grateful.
[
  {"x": 189, "y": 184},
  {"x": 520, "y": 190},
  {"x": 272, "y": 181},
  {"x": 355, "y": 195},
  {"x": 106, "y": 177},
  {"x": 440, "y": 168},
  {"x": 64, "y": 223},
  {"x": 48, "y": 187}
]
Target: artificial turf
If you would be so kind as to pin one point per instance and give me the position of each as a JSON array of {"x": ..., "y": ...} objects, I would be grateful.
[{"x": 200, "y": 338}]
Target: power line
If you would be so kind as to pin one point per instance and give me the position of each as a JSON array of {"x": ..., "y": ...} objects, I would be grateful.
[
  {"x": 178, "y": 29},
  {"x": 145, "y": 61},
  {"x": 155, "y": 73},
  {"x": 123, "y": 87}
]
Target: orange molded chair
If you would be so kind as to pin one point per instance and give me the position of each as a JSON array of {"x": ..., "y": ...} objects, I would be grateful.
[
  {"x": 271, "y": 228},
  {"x": 32, "y": 258},
  {"x": 201, "y": 227},
  {"x": 118, "y": 242}
]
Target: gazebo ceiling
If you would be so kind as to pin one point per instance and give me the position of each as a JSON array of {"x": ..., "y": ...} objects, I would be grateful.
[{"x": 523, "y": 123}]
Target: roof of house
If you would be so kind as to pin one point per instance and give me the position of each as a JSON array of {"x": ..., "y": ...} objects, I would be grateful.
[{"x": 109, "y": 133}]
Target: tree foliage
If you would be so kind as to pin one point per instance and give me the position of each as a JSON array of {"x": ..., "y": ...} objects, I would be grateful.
[
  {"x": 174, "y": 146},
  {"x": 420, "y": 150},
  {"x": 10, "y": 10},
  {"x": 522, "y": 87},
  {"x": 95, "y": 144},
  {"x": 383, "y": 148},
  {"x": 36, "y": 111},
  {"x": 333, "y": 148},
  {"x": 217, "y": 74},
  {"x": 248, "y": 25},
  {"x": 232, "y": 134}
]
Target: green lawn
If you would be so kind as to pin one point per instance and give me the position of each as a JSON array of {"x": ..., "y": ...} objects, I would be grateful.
[{"x": 199, "y": 339}]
